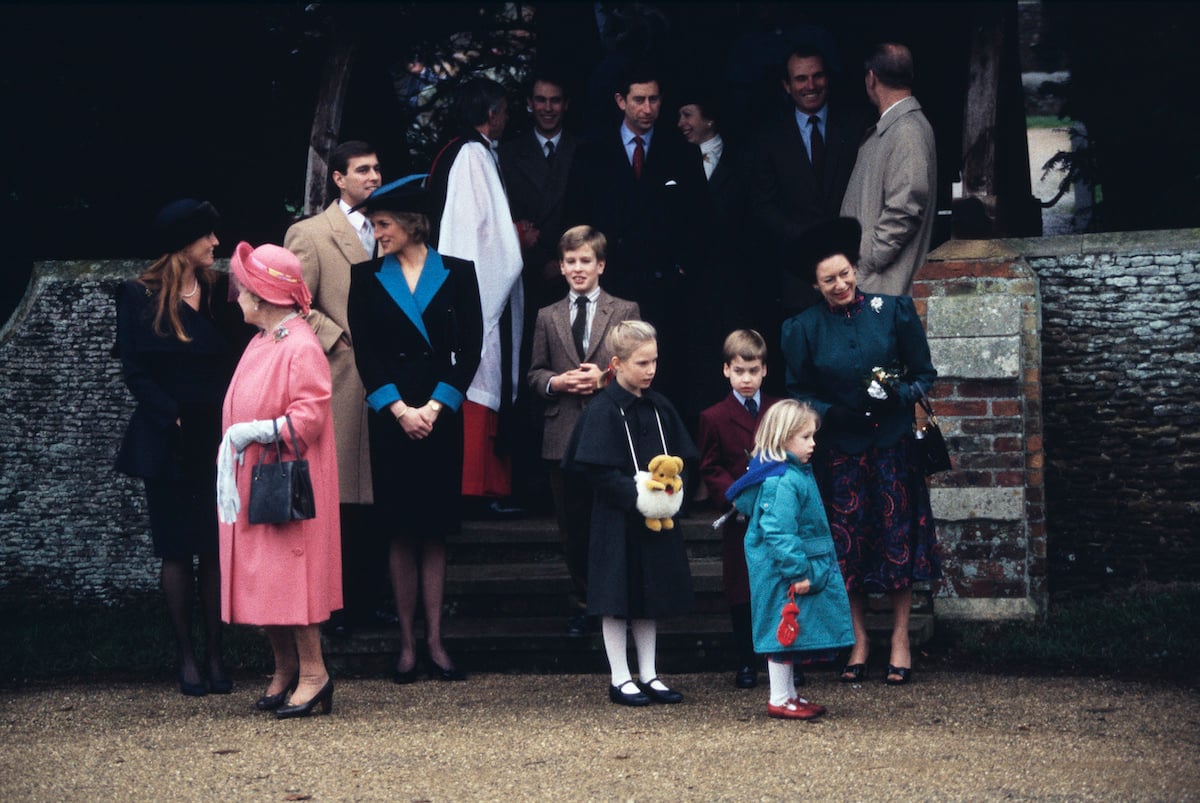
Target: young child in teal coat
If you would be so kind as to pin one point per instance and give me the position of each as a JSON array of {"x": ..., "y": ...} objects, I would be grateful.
[{"x": 789, "y": 547}]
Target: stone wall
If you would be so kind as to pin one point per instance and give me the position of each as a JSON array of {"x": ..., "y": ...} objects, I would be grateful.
[
  {"x": 1122, "y": 406},
  {"x": 70, "y": 526}
]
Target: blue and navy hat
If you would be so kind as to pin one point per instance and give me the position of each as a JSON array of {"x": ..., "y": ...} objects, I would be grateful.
[{"x": 406, "y": 194}]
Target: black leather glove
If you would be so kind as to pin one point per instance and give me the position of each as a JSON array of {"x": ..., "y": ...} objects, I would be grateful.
[{"x": 887, "y": 404}]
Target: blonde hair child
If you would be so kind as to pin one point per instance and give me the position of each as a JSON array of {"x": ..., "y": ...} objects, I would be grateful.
[{"x": 790, "y": 552}]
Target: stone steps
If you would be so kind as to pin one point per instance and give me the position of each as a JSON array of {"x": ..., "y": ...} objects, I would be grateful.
[{"x": 507, "y": 603}]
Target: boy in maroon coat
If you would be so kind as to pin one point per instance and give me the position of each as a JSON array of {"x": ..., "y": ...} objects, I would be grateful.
[{"x": 726, "y": 438}]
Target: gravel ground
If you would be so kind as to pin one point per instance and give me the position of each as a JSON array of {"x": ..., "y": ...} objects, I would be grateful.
[{"x": 947, "y": 736}]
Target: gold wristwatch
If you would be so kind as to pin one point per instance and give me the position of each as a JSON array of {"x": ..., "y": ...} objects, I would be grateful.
[{"x": 435, "y": 405}]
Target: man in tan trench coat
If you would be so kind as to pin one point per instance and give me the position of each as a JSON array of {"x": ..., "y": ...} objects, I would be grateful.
[
  {"x": 327, "y": 245},
  {"x": 893, "y": 188}
]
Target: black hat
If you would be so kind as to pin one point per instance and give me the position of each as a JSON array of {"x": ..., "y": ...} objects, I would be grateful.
[
  {"x": 839, "y": 235},
  {"x": 700, "y": 95},
  {"x": 402, "y": 195},
  {"x": 181, "y": 223}
]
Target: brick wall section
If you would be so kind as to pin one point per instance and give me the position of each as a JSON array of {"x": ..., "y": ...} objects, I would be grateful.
[
  {"x": 1122, "y": 406},
  {"x": 70, "y": 526},
  {"x": 980, "y": 306}
]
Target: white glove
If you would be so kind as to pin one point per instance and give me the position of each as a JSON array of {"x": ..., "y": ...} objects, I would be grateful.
[
  {"x": 228, "y": 503},
  {"x": 260, "y": 431}
]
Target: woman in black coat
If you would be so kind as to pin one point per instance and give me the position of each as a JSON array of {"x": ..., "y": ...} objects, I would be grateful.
[
  {"x": 418, "y": 331},
  {"x": 179, "y": 338}
]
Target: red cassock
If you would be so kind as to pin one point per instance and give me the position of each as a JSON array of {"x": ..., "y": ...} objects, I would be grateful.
[{"x": 291, "y": 573}]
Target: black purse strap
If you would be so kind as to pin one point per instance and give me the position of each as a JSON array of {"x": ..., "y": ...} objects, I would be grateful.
[
  {"x": 262, "y": 456},
  {"x": 925, "y": 405}
]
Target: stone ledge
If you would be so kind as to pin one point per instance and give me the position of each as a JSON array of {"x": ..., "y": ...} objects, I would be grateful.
[
  {"x": 962, "y": 504},
  {"x": 984, "y": 610}
]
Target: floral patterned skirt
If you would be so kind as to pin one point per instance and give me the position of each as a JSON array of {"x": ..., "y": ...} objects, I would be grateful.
[{"x": 878, "y": 508}]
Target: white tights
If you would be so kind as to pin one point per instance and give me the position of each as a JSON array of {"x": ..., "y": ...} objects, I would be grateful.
[
  {"x": 783, "y": 681},
  {"x": 645, "y": 639}
]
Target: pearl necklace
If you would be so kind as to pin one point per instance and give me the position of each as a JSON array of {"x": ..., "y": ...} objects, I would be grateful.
[{"x": 192, "y": 292}]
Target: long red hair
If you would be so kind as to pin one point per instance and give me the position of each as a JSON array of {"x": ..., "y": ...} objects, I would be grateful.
[{"x": 165, "y": 277}]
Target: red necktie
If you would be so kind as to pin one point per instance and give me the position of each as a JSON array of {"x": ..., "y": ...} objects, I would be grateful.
[{"x": 639, "y": 156}]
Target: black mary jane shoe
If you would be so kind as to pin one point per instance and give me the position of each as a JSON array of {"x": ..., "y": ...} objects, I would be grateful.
[
  {"x": 668, "y": 696},
  {"x": 439, "y": 672},
  {"x": 192, "y": 689},
  {"x": 903, "y": 675},
  {"x": 323, "y": 698},
  {"x": 746, "y": 677},
  {"x": 270, "y": 702},
  {"x": 857, "y": 673},
  {"x": 634, "y": 698}
]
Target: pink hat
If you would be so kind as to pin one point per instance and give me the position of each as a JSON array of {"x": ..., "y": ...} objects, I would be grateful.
[{"x": 272, "y": 273}]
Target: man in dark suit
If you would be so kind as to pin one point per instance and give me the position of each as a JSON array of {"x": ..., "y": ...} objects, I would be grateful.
[
  {"x": 802, "y": 166},
  {"x": 535, "y": 167},
  {"x": 644, "y": 187}
]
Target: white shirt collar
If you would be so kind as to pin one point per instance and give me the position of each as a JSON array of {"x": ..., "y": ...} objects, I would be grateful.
[
  {"x": 743, "y": 399},
  {"x": 627, "y": 137},
  {"x": 556, "y": 139},
  {"x": 356, "y": 218},
  {"x": 591, "y": 297},
  {"x": 713, "y": 146}
]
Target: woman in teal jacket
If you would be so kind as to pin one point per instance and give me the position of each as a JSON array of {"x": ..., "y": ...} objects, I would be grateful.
[
  {"x": 789, "y": 549},
  {"x": 875, "y": 494}
]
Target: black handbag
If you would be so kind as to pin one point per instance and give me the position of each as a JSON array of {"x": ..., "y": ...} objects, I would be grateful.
[
  {"x": 281, "y": 491},
  {"x": 932, "y": 455}
]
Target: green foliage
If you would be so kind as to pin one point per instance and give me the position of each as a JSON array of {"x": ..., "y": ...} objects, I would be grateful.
[
  {"x": 134, "y": 637},
  {"x": 1047, "y": 121},
  {"x": 1154, "y": 633}
]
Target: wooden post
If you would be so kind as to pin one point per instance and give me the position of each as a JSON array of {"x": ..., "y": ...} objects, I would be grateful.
[
  {"x": 327, "y": 122},
  {"x": 979, "y": 116}
]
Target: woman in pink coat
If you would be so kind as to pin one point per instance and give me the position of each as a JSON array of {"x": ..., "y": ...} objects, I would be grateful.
[{"x": 285, "y": 577}]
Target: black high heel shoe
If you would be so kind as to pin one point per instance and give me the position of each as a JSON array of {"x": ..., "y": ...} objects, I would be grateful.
[
  {"x": 323, "y": 698},
  {"x": 406, "y": 677},
  {"x": 439, "y": 672},
  {"x": 192, "y": 689},
  {"x": 270, "y": 702},
  {"x": 220, "y": 683}
]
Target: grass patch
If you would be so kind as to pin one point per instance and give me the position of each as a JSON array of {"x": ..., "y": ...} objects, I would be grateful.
[
  {"x": 133, "y": 638},
  {"x": 1148, "y": 633},
  {"x": 1047, "y": 121}
]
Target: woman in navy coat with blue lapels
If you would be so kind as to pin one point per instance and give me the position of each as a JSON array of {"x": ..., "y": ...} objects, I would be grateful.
[
  {"x": 179, "y": 338},
  {"x": 875, "y": 495},
  {"x": 418, "y": 330}
]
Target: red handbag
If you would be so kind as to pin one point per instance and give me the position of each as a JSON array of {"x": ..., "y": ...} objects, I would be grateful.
[{"x": 789, "y": 628}]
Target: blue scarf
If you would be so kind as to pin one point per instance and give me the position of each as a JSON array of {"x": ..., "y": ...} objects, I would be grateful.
[{"x": 757, "y": 473}]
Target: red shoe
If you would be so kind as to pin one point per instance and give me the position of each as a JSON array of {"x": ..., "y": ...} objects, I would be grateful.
[
  {"x": 820, "y": 709},
  {"x": 796, "y": 708}
]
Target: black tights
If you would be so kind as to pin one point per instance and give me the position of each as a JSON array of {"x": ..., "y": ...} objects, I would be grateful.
[{"x": 179, "y": 581}]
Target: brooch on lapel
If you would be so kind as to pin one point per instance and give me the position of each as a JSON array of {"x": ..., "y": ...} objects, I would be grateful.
[{"x": 876, "y": 304}]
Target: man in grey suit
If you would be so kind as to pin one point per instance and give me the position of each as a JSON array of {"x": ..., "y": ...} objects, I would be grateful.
[
  {"x": 802, "y": 163},
  {"x": 892, "y": 191},
  {"x": 327, "y": 245},
  {"x": 535, "y": 166}
]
